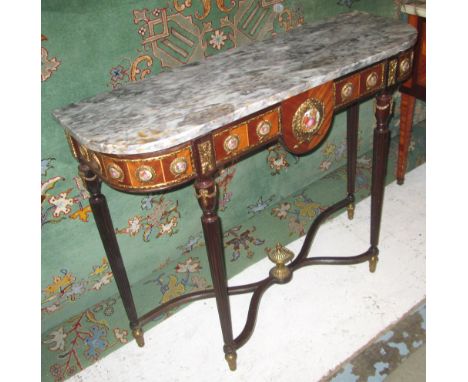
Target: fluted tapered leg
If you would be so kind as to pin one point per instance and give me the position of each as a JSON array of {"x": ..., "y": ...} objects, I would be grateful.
[
  {"x": 208, "y": 199},
  {"x": 379, "y": 169},
  {"x": 105, "y": 227}
]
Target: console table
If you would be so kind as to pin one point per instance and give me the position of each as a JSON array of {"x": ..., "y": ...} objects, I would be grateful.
[{"x": 167, "y": 131}]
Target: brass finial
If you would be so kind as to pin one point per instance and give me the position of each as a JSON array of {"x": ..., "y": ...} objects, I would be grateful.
[{"x": 280, "y": 256}]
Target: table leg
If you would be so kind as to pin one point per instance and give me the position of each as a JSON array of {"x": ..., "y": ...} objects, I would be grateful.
[
  {"x": 406, "y": 124},
  {"x": 379, "y": 169},
  {"x": 351, "y": 140},
  {"x": 105, "y": 227},
  {"x": 208, "y": 200}
]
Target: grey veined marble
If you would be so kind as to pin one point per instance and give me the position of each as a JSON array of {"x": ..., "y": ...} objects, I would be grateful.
[{"x": 176, "y": 106}]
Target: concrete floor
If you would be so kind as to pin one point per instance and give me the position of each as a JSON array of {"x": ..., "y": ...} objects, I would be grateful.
[{"x": 305, "y": 328}]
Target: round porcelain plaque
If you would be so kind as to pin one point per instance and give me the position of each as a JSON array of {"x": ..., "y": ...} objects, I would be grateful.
[
  {"x": 145, "y": 173},
  {"x": 404, "y": 66},
  {"x": 308, "y": 119},
  {"x": 263, "y": 129},
  {"x": 371, "y": 80},
  {"x": 115, "y": 172},
  {"x": 178, "y": 166},
  {"x": 231, "y": 143},
  {"x": 347, "y": 90}
]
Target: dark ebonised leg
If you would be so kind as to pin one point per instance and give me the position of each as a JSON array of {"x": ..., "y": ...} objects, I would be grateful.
[
  {"x": 208, "y": 199},
  {"x": 379, "y": 169},
  {"x": 104, "y": 224},
  {"x": 351, "y": 140}
]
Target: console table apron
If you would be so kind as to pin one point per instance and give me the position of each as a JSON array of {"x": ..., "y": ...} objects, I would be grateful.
[{"x": 165, "y": 131}]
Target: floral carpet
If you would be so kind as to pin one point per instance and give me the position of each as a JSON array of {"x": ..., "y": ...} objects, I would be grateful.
[{"x": 387, "y": 351}]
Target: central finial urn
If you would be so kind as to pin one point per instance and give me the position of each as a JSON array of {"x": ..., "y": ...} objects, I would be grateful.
[{"x": 280, "y": 255}]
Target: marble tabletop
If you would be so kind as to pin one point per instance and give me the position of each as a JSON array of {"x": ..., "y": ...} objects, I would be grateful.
[
  {"x": 175, "y": 106},
  {"x": 417, "y": 8}
]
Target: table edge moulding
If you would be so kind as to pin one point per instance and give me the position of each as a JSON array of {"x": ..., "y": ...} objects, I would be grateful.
[{"x": 165, "y": 131}]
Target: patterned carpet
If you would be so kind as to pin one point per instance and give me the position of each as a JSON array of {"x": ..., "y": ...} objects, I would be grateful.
[{"x": 386, "y": 352}]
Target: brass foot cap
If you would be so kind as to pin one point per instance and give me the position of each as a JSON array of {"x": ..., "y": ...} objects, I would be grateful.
[
  {"x": 373, "y": 263},
  {"x": 351, "y": 211},
  {"x": 231, "y": 359},
  {"x": 138, "y": 335}
]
